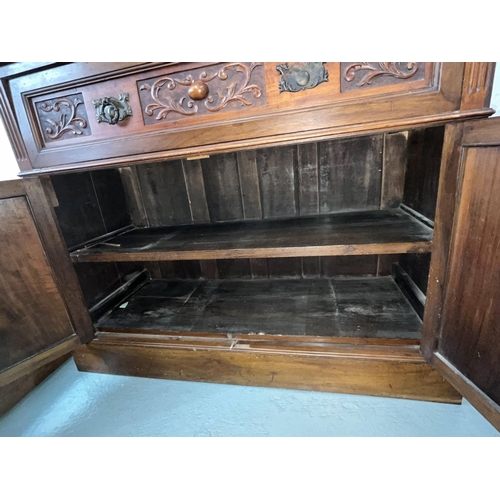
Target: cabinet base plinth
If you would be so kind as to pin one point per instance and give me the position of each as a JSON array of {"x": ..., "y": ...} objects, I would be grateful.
[{"x": 400, "y": 372}]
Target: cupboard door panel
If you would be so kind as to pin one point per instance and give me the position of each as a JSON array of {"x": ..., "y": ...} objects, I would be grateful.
[
  {"x": 468, "y": 344},
  {"x": 32, "y": 312}
]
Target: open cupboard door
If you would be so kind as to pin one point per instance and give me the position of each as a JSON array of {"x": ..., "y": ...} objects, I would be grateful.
[
  {"x": 461, "y": 336},
  {"x": 42, "y": 313}
]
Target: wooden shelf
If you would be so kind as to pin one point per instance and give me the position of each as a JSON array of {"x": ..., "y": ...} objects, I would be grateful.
[
  {"x": 344, "y": 307},
  {"x": 354, "y": 233}
]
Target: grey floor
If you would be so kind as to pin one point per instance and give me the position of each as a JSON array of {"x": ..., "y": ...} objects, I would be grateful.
[{"x": 70, "y": 403}]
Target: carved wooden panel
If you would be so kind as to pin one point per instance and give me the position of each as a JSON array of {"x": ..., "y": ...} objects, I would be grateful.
[
  {"x": 63, "y": 118},
  {"x": 358, "y": 75},
  {"x": 203, "y": 91}
]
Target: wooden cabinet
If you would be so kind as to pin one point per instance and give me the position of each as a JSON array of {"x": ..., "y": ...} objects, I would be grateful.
[{"x": 320, "y": 226}]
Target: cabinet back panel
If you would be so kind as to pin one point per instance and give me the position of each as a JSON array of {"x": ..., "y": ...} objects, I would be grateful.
[
  {"x": 269, "y": 183},
  {"x": 164, "y": 194},
  {"x": 350, "y": 174}
]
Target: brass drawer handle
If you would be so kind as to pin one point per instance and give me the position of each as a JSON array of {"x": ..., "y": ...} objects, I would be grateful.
[{"x": 112, "y": 110}]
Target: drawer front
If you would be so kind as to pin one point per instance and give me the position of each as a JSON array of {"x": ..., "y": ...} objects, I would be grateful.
[{"x": 102, "y": 115}]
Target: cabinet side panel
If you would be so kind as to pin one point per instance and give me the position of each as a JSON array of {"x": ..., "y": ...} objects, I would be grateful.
[
  {"x": 77, "y": 208},
  {"x": 422, "y": 170}
]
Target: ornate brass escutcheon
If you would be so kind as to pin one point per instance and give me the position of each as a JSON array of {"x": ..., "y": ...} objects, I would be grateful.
[
  {"x": 112, "y": 110},
  {"x": 301, "y": 76}
]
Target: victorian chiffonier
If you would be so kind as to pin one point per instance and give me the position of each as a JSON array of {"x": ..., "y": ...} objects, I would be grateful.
[{"x": 316, "y": 226}]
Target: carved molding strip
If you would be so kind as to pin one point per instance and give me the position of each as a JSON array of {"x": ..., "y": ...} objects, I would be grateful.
[
  {"x": 383, "y": 71},
  {"x": 478, "y": 77},
  {"x": 11, "y": 127},
  {"x": 179, "y": 94},
  {"x": 62, "y": 117}
]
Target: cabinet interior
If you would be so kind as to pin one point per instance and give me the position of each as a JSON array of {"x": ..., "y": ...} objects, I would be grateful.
[{"x": 327, "y": 240}]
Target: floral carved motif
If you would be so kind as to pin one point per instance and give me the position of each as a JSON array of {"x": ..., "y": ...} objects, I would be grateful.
[
  {"x": 181, "y": 95},
  {"x": 62, "y": 117},
  {"x": 379, "y": 69}
]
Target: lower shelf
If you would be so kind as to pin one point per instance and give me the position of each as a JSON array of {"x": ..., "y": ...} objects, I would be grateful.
[
  {"x": 350, "y": 335},
  {"x": 344, "y": 307}
]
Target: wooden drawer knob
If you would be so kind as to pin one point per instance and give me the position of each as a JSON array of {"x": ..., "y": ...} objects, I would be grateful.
[{"x": 198, "y": 91}]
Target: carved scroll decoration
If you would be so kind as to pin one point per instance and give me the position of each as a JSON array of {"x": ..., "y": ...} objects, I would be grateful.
[
  {"x": 392, "y": 69},
  {"x": 234, "y": 92},
  {"x": 65, "y": 122}
]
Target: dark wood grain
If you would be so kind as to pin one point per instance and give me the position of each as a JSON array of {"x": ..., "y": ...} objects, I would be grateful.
[
  {"x": 259, "y": 268},
  {"x": 110, "y": 193},
  {"x": 193, "y": 177},
  {"x": 164, "y": 194},
  {"x": 234, "y": 268},
  {"x": 78, "y": 209},
  {"x": 356, "y": 265},
  {"x": 133, "y": 195},
  {"x": 277, "y": 172},
  {"x": 385, "y": 262},
  {"x": 187, "y": 269},
  {"x": 342, "y": 307},
  {"x": 357, "y": 233},
  {"x": 311, "y": 267},
  {"x": 410, "y": 290},
  {"x": 28, "y": 289},
  {"x": 97, "y": 280},
  {"x": 417, "y": 266},
  {"x": 222, "y": 187},
  {"x": 249, "y": 182},
  {"x": 394, "y": 169},
  {"x": 422, "y": 172},
  {"x": 209, "y": 269},
  {"x": 471, "y": 312},
  {"x": 308, "y": 178},
  {"x": 285, "y": 268},
  {"x": 350, "y": 173}
]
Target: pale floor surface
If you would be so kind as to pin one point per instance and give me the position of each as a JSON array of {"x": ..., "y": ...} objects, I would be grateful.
[{"x": 70, "y": 403}]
